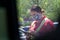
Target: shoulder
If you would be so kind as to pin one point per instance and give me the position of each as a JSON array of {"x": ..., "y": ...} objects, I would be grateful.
[
  {"x": 48, "y": 22},
  {"x": 49, "y": 25}
]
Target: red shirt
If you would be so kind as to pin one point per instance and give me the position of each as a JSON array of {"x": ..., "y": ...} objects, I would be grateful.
[{"x": 47, "y": 26}]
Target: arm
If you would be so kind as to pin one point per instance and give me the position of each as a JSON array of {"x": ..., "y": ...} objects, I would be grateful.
[{"x": 32, "y": 27}]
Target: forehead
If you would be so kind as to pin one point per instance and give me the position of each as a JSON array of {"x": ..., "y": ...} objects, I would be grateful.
[{"x": 32, "y": 11}]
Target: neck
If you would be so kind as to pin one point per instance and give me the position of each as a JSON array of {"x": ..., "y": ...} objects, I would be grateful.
[{"x": 41, "y": 18}]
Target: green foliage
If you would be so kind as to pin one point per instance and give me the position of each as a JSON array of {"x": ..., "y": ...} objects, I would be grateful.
[
  {"x": 21, "y": 19},
  {"x": 50, "y": 6}
]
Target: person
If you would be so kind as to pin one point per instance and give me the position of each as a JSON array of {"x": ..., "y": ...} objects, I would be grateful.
[{"x": 41, "y": 25}]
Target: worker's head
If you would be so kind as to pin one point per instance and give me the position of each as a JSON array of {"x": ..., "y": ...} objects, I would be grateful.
[{"x": 36, "y": 12}]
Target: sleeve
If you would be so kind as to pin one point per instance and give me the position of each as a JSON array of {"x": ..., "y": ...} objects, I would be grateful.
[{"x": 32, "y": 27}]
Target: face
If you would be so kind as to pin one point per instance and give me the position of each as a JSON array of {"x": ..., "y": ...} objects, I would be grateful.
[
  {"x": 32, "y": 13},
  {"x": 36, "y": 15}
]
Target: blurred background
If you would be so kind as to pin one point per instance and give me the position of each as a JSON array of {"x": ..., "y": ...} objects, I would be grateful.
[{"x": 51, "y": 8}]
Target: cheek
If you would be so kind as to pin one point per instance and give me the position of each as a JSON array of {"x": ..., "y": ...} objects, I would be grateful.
[{"x": 32, "y": 13}]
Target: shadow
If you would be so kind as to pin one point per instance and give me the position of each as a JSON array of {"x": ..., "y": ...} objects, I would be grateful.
[{"x": 58, "y": 27}]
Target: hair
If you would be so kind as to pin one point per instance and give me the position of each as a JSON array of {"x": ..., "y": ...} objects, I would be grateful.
[{"x": 36, "y": 8}]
